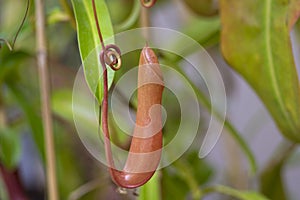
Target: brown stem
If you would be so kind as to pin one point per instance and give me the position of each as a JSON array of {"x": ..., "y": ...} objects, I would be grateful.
[{"x": 45, "y": 99}]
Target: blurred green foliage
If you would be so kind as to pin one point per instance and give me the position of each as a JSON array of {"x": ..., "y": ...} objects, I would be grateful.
[{"x": 188, "y": 177}]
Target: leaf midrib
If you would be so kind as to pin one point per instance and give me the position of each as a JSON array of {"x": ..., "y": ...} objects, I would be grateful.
[
  {"x": 90, "y": 22},
  {"x": 274, "y": 83},
  {"x": 96, "y": 42}
]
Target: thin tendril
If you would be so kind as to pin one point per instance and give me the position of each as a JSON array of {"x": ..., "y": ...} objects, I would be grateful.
[
  {"x": 148, "y": 3},
  {"x": 108, "y": 51},
  {"x": 103, "y": 110},
  {"x": 11, "y": 47}
]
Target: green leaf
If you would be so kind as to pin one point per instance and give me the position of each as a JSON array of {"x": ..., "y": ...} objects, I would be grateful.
[
  {"x": 256, "y": 43},
  {"x": 10, "y": 147},
  {"x": 57, "y": 15},
  {"x": 171, "y": 181},
  {"x": 243, "y": 195},
  {"x": 67, "y": 161},
  {"x": 209, "y": 29},
  {"x": 89, "y": 43},
  {"x": 62, "y": 106},
  {"x": 10, "y": 61},
  {"x": 272, "y": 184},
  {"x": 131, "y": 20},
  {"x": 271, "y": 180},
  {"x": 202, "y": 7},
  {"x": 151, "y": 190},
  {"x": 201, "y": 170},
  {"x": 188, "y": 173},
  {"x": 25, "y": 101}
]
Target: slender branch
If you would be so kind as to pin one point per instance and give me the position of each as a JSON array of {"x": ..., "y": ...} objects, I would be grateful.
[
  {"x": 45, "y": 99},
  {"x": 186, "y": 174},
  {"x": 85, "y": 189}
]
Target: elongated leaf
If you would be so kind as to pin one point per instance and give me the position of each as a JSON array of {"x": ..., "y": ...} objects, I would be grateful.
[
  {"x": 151, "y": 190},
  {"x": 34, "y": 120},
  {"x": 243, "y": 195},
  {"x": 271, "y": 178},
  {"x": 89, "y": 42},
  {"x": 10, "y": 61},
  {"x": 256, "y": 43},
  {"x": 202, "y": 7},
  {"x": 272, "y": 183},
  {"x": 10, "y": 148},
  {"x": 62, "y": 106}
]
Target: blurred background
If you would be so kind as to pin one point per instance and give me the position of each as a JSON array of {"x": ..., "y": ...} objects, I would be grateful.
[{"x": 80, "y": 176}]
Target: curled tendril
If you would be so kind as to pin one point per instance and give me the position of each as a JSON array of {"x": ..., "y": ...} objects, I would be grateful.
[
  {"x": 148, "y": 3},
  {"x": 111, "y": 56},
  {"x": 11, "y": 46}
]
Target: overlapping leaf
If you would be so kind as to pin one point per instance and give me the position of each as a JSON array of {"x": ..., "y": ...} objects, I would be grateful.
[
  {"x": 89, "y": 41},
  {"x": 256, "y": 43}
]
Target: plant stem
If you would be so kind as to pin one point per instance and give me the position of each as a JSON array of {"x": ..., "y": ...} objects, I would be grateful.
[
  {"x": 45, "y": 99},
  {"x": 12, "y": 183},
  {"x": 189, "y": 178},
  {"x": 145, "y": 21},
  {"x": 85, "y": 189}
]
